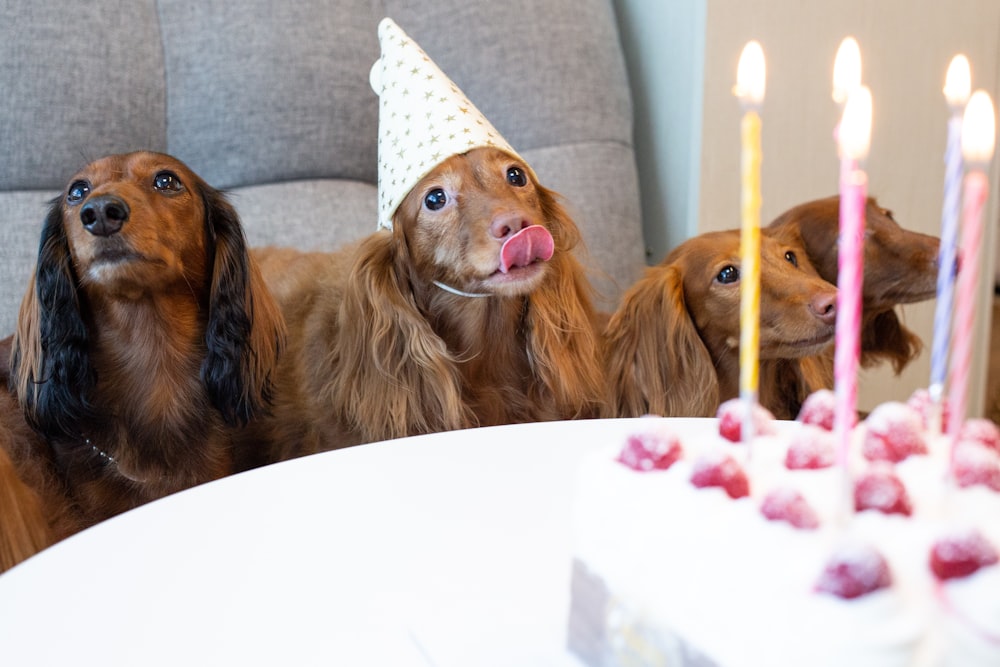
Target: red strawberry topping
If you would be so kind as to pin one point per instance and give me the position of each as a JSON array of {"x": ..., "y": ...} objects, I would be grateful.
[
  {"x": 976, "y": 463},
  {"x": 895, "y": 431},
  {"x": 723, "y": 471},
  {"x": 880, "y": 489},
  {"x": 854, "y": 571},
  {"x": 789, "y": 505},
  {"x": 818, "y": 409},
  {"x": 650, "y": 451},
  {"x": 810, "y": 448},
  {"x": 961, "y": 554},
  {"x": 731, "y": 414},
  {"x": 983, "y": 431}
]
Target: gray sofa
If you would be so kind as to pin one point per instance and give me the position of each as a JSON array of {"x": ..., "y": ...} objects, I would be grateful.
[{"x": 271, "y": 101}]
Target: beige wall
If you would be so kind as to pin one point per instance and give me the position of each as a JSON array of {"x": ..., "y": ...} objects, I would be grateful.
[{"x": 906, "y": 46}]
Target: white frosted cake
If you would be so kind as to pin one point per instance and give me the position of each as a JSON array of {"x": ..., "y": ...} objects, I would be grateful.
[{"x": 896, "y": 567}]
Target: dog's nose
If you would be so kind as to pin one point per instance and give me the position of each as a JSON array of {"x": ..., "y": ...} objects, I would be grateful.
[
  {"x": 507, "y": 224},
  {"x": 824, "y": 306},
  {"x": 104, "y": 215}
]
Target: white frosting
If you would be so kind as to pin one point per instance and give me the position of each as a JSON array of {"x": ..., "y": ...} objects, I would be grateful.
[
  {"x": 969, "y": 618},
  {"x": 740, "y": 588}
]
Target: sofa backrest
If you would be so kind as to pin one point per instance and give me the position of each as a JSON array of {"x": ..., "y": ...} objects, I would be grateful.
[{"x": 271, "y": 100}]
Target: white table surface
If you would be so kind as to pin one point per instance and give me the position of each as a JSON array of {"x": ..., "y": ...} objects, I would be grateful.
[{"x": 446, "y": 550}]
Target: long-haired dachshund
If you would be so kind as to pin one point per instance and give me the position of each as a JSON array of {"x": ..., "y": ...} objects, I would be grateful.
[
  {"x": 672, "y": 347},
  {"x": 471, "y": 311},
  {"x": 146, "y": 338},
  {"x": 900, "y": 267}
]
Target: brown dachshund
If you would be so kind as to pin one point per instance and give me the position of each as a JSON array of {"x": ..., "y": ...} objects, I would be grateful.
[
  {"x": 900, "y": 266},
  {"x": 471, "y": 311},
  {"x": 672, "y": 347},
  {"x": 146, "y": 338}
]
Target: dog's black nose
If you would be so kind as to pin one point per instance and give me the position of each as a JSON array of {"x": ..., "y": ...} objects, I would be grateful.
[{"x": 104, "y": 215}]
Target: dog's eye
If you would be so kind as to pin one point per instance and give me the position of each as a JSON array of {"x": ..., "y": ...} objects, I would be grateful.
[
  {"x": 435, "y": 199},
  {"x": 77, "y": 191},
  {"x": 792, "y": 259},
  {"x": 729, "y": 274},
  {"x": 167, "y": 181},
  {"x": 516, "y": 177}
]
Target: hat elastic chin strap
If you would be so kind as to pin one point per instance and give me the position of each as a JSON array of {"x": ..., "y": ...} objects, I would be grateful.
[{"x": 458, "y": 292}]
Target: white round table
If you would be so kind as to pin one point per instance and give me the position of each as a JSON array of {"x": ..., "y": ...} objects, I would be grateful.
[{"x": 450, "y": 549}]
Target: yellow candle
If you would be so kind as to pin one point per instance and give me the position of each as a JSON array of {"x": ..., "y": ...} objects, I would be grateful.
[
  {"x": 750, "y": 79},
  {"x": 750, "y": 132}
]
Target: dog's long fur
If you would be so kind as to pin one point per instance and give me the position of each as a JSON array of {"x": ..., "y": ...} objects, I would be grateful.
[
  {"x": 672, "y": 347},
  {"x": 146, "y": 338},
  {"x": 900, "y": 267},
  {"x": 35, "y": 509},
  {"x": 378, "y": 351}
]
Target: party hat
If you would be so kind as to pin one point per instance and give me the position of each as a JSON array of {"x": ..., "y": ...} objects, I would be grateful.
[{"x": 423, "y": 119}]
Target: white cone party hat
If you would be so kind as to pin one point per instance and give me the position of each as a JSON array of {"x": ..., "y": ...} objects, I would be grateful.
[{"x": 423, "y": 119}]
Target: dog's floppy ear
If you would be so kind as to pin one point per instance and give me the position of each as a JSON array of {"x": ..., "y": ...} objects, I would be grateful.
[
  {"x": 656, "y": 361},
  {"x": 884, "y": 338},
  {"x": 397, "y": 376},
  {"x": 245, "y": 331},
  {"x": 563, "y": 339},
  {"x": 50, "y": 363}
]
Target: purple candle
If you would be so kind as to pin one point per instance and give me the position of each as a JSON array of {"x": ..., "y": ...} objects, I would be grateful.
[{"x": 956, "y": 91}]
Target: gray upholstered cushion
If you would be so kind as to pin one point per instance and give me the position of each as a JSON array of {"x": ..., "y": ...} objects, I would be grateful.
[
  {"x": 18, "y": 249},
  {"x": 317, "y": 214},
  {"x": 76, "y": 82},
  {"x": 269, "y": 91}
]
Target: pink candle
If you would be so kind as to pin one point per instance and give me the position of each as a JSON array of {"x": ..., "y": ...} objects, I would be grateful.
[
  {"x": 854, "y": 137},
  {"x": 978, "y": 139}
]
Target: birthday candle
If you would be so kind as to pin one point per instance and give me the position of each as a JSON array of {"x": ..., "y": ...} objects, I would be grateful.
[
  {"x": 750, "y": 82},
  {"x": 854, "y": 139},
  {"x": 978, "y": 140},
  {"x": 846, "y": 70},
  {"x": 956, "y": 91},
  {"x": 846, "y": 78}
]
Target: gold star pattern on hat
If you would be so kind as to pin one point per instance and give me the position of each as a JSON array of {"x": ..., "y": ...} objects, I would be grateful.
[{"x": 423, "y": 119}]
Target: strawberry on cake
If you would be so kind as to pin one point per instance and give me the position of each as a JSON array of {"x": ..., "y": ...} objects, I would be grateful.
[{"x": 693, "y": 549}]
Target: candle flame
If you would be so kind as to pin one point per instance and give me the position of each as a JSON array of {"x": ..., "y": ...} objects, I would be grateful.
[
  {"x": 856, "y": 124},
  {"x": 750, "y": 74},
  {"x": 958, "y": 81},
  {"x": 846, "y": 70},
  {"x": 979, "y": 129}
]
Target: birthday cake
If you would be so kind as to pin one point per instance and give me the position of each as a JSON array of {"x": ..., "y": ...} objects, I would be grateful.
[{"x": 693, "y": 549}]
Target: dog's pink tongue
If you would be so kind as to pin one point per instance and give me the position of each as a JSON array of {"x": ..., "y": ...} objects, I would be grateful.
[{"x": 529, "y": 244}]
